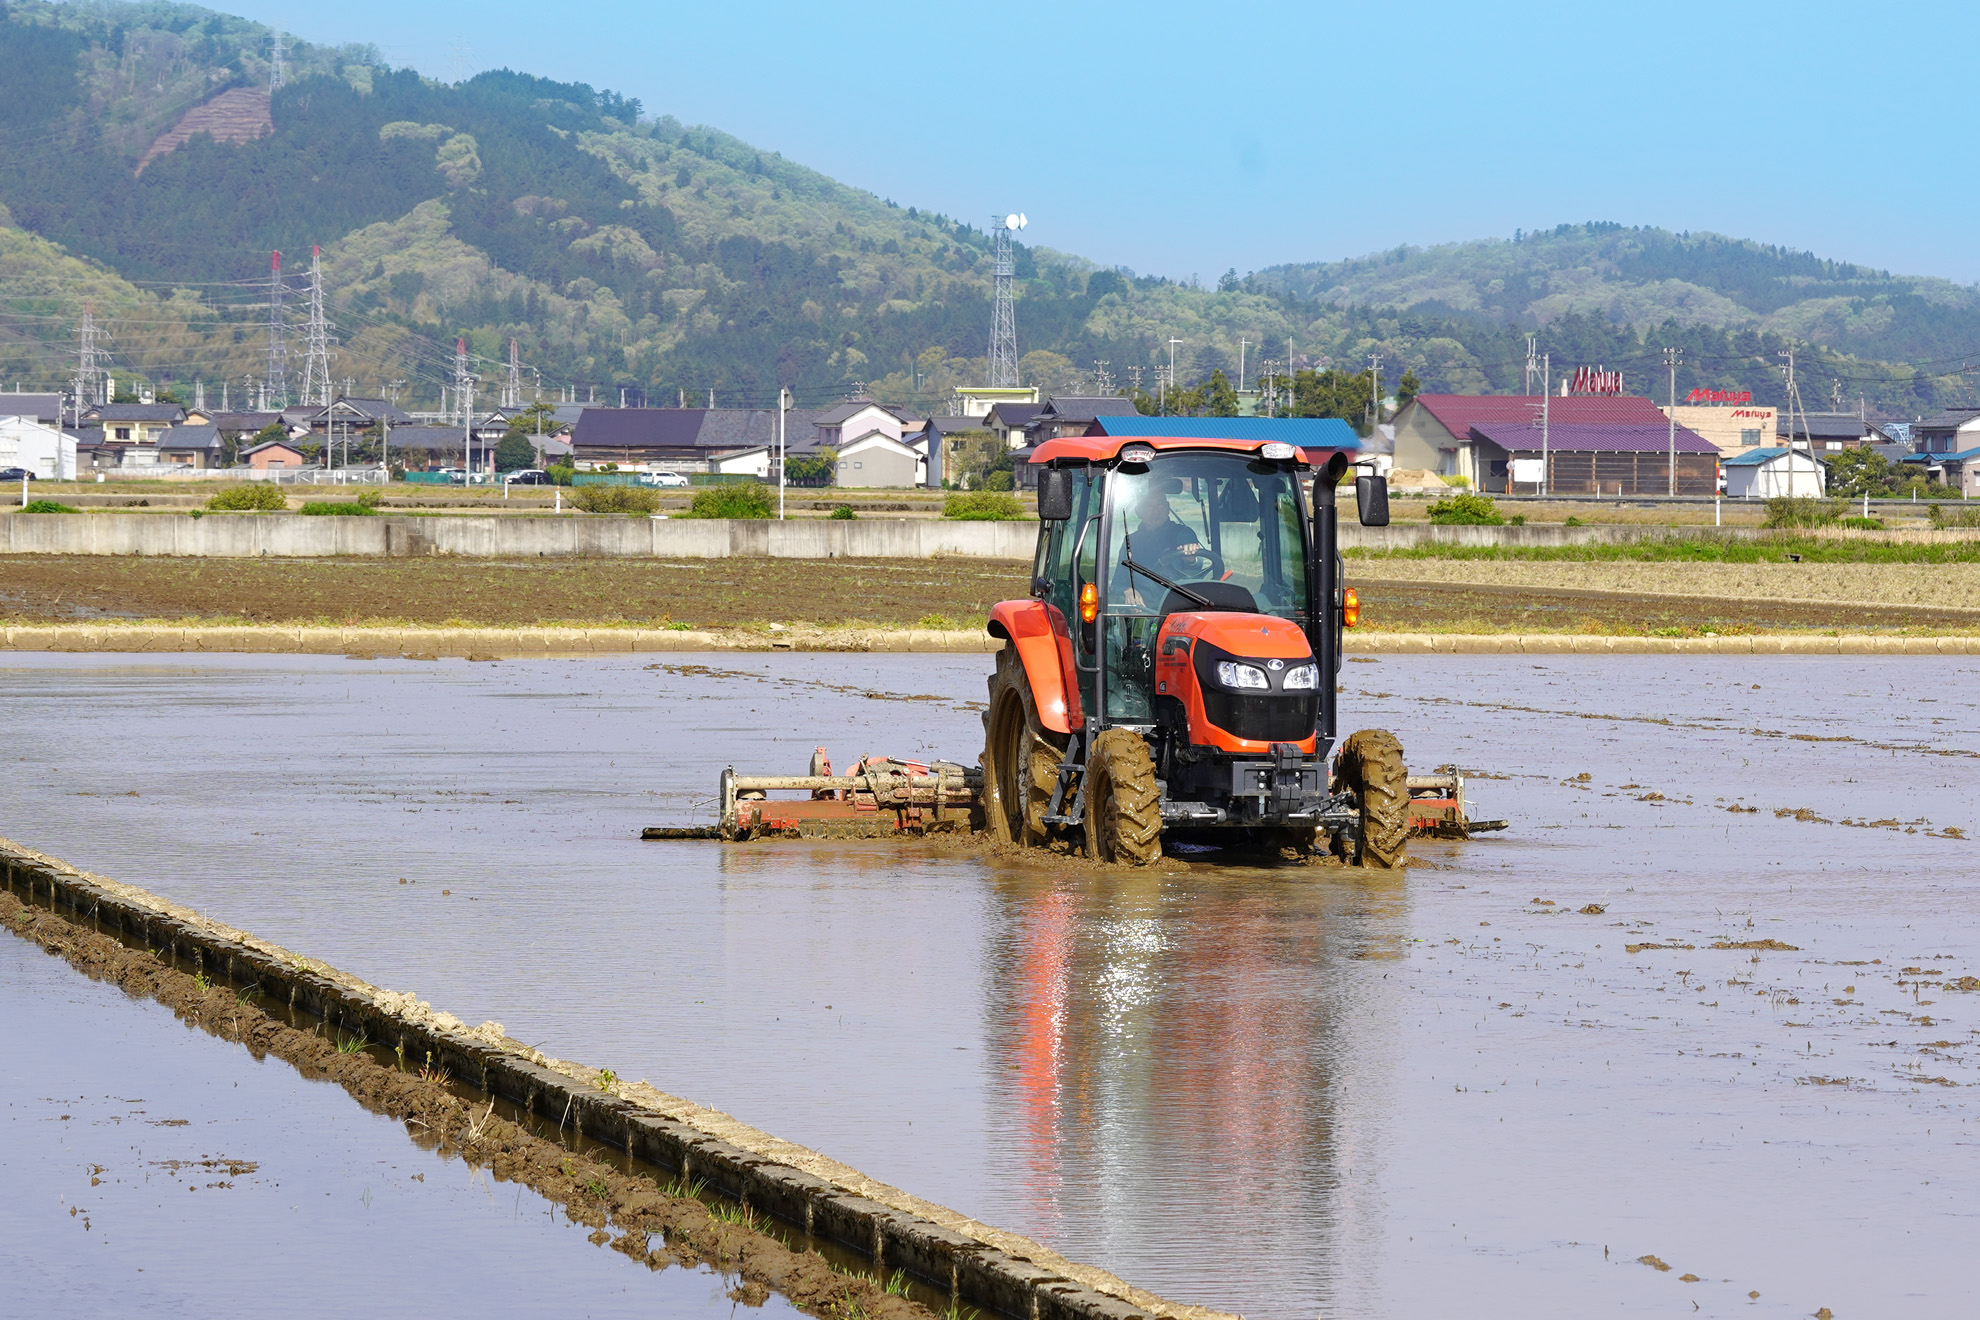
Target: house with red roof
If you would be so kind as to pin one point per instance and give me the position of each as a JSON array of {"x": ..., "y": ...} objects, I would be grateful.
[{"x": 1434, "y": 431}]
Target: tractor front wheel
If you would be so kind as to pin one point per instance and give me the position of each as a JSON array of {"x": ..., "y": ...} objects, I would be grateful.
[
  {"x": 1020, "y": 758},
  {"x": 1371, "y": 764},
  {"x": 1123, "y": 803}
]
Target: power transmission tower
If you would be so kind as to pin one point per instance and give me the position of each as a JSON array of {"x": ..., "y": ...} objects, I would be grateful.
[
  {"x": 91, "y": 360},
  {"x": 276, "y": 386},
  {"x": 1532, "y": 363},
  {"x": 316, "y": 362},
  {"x": 512, "y": 388},
  {"x": 1103, "y": 380},
  {"x": 1003, "y": 317},
  {"x": 277, "y": 73}
]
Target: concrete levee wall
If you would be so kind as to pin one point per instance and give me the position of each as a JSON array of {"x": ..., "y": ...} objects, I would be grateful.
[
  {"x": 531, "y": 537},
  {"x": 295, "y": 536}
]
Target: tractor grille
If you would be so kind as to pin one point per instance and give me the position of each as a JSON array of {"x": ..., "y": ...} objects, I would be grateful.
[
  {"x": 1271, "y": 716},
  {"x": 1263, "y": 717}
]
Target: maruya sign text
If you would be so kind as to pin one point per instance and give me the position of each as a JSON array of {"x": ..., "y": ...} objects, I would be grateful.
[
  {"x": 1594, "y": 380},
  {"x": 1719, "y": 396}
]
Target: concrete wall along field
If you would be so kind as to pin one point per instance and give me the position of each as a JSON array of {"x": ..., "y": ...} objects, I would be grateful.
[{"x": 292, "y": 536}]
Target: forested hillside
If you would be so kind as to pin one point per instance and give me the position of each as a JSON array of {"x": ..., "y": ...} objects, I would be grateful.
[{"x": 626, "y": 251}]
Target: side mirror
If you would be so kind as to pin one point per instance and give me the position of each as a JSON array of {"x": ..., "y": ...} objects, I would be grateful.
[
  {"x": 1371, "y": 498},
  {"x": 1055, "y": 494}
]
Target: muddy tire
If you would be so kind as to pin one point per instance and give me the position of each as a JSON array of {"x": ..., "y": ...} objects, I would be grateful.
[
  {"x": 1020, "y": 757},
  {"x": 1371, "y": 764},
  {"x": 1123, "y": 804}
]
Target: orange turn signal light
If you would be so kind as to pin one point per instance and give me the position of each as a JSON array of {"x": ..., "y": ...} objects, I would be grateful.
[
  {"x": 1089, "y": 603},
  {"x": 1350, "y": 608}
]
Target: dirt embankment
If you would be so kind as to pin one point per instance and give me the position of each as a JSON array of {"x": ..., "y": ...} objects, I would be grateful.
[
  {"x": 1924, "y": 586},
  {"x": 631, "y": 1212},
  {"x": 702, "y": 593}
]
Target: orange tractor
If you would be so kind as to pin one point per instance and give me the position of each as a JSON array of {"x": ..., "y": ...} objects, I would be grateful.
[{"x": 1173, "y": 675}]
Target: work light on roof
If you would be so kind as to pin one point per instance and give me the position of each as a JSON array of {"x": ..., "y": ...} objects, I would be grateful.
[
  {"x": 1275, "y": 449},
  {"x": 1137, "y": 454}
]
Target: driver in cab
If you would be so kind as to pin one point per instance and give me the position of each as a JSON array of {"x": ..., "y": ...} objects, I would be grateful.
[{"x": 1161, "y": 540}]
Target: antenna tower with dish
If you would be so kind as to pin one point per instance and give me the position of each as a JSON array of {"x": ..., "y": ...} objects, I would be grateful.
[{"x": 1003, "y": 322}]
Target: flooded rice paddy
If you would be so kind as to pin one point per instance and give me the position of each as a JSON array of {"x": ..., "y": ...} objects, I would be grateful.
[
  {"x": 154, "y": 1170},
  {"x": 1520, "y": 1082}
]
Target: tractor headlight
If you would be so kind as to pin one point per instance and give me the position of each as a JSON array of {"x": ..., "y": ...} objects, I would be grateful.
[
  {"x": 1303, "y": 678},
  {"x": 1233, "y": 675}
]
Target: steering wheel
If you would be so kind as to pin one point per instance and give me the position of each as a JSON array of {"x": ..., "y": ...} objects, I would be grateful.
[{"x": 1206, "y": 565}]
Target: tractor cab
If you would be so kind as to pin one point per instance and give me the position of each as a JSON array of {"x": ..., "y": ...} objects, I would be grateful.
[{"x": 1174, "y": 669}]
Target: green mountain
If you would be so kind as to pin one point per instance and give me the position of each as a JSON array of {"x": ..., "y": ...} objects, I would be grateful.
[{"x": 147, "y": 170}]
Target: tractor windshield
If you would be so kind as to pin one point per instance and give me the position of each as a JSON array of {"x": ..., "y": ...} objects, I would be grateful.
[{"x": 1197, "y": 518}]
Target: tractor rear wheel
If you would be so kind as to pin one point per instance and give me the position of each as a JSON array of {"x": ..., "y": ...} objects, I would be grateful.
[
  {"x": 1371, "y": 764},
  {"x": 1020, "y": 757},
  {"x": 1123, "y": 803}
]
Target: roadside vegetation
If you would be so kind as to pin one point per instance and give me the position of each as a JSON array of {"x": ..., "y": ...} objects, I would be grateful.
[
  {"x": 1779, "y": 548},
  {"x": 983, "y": 506},
  {"x": 250, "y": 497}
]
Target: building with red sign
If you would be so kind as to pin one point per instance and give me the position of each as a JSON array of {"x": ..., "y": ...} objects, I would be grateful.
[
  {"x": 1434, "y": 432},
  {"x": 1733, "y": 427}
]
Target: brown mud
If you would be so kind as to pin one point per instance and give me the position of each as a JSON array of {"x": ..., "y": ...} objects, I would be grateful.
[
  {"x": 630, "y": 1211},
  {"x": 754, "y": 593}
]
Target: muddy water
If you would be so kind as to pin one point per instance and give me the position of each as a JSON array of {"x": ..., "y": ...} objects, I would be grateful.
[
  {"x": 151, "y": 1169},
  {"x": 1282, "y": 1092}
]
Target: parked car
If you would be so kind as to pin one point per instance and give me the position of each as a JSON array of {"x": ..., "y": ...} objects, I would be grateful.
[
  {"x": 16, "y": 474},
  {"x": 527, "y": 477},
  {"x": 672, "y": 479},
  {"x": 455, "y": 475}
]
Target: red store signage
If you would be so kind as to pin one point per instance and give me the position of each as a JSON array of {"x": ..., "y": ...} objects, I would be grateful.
[
  {"x": 1594, "y": 380},
  {"x": 1719, "y": 396}
]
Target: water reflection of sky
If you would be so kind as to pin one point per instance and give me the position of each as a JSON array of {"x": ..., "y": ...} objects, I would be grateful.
[{"x": 1284, "y": 1093}]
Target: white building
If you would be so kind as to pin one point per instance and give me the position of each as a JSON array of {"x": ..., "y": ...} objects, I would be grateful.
[
  {"x": 1764, "y": 474},
  {"x": 48, "y": 453}
]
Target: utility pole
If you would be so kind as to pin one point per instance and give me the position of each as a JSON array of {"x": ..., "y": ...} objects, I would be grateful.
[
  {"x": 1271, "y": 387},
  {"x": 1241, "y": 347},
  {"x": 316, "y": 361},
  {"x": 1532, "y": 363},
  {"x": 1172, "y": 368},
  {"x": 464, "y": 399},
  {"x": 1374, "y": 389},
  {"x": 512, "y": 388},
  {"x": 277, "y": 383},
  {"x": 1546, "y": 395},
  {"x": 1795, "y": 406},
  {"x": 783, "y": 406},
  {"x": 1671, "y": 356}
]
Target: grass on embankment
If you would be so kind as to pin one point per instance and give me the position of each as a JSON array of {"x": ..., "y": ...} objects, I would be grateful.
[{"x": 1708, "y": 550}]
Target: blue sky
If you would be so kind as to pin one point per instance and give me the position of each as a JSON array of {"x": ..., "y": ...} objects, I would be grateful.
[{"x": 1185, "y": 139}]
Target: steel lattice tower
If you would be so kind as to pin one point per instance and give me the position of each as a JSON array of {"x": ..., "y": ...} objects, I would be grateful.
[
  {"x": 277, "y": 72},
  {"x": 512, "y": 389},
  {"x": 316, "y": 387},
  {"x": 89, "y": 360},
  {"x": 276, "y": 386},
  {"x": 1003, "y": 320}
]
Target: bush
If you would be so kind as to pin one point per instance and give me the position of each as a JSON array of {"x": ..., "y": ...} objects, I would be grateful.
[
  {"x": 1573, "y": 521},
  {"x": 1957, "y": 518},
  {"x": 843, "y": 513},
  {"x": 1864, "y": 524},
  {"x": 740, "y": 499},
  {"x": 251, "y": 497},
  {"x": 338, "y": 508},
  {"x": 1462, "y": 483},
  {"x": 615, "y": 499},
  {"x": 998, "y": 479},
  {"x": 983, "y": 506},
  {"x": 1802, "y": 511},
  {"x": 1466, "y": 511},
  {"x": 561, "y": 473},
  {"x": 47, "y": 506},
  {"x": 1517, "y": 520}
]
